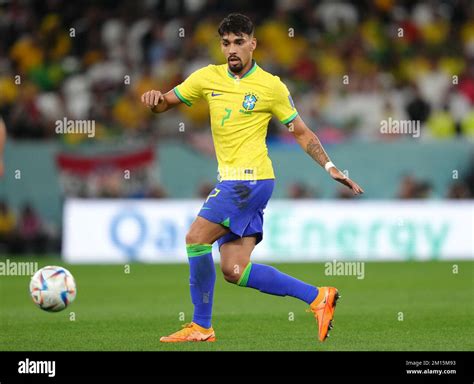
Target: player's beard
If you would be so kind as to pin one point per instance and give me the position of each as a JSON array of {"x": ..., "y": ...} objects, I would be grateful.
[{"x": 236, "y": 67}]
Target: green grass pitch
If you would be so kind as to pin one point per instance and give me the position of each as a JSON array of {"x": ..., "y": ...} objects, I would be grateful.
[{"x": 398, "y": 306}]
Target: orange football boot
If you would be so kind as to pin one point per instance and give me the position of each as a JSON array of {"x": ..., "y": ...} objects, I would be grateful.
[
  {"x": 323, "y": 308},
  {"x": 190, "y": 332}
]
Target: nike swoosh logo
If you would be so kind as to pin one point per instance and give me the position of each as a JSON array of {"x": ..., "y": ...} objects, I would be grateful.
[{"x": 215, "y": 94}]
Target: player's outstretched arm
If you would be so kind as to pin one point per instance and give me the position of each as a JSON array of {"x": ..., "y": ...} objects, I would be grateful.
[
  {"x": 310, "y": 143},
  {"x": 159, "y": 102}
]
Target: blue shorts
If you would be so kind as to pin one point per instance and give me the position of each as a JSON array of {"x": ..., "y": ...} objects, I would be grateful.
[{"x": 238, "y": 205}]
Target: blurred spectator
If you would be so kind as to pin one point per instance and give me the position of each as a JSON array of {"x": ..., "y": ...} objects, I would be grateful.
[
  {"x": 127, "y": 114},
  {"x": 204, "y": 189},
  {"x": 433, "y": 84},
  {"x": 300, "y": 190},
  {"x": 411, "y": 188},
  {"x": 110, "y": 184},
  {"x": 344, "y": 193},
  {"x": 467, "y": 125},
  {"x": 466, "y": 81},
  {"x": 30, "y": 231},
  {"x": 157, "y": 192},
  {"x": 458, "y": 190},
  {"x": 7, "y": 227},
  {"x": 423, "y": 190},
  {"x": 3, "y": 139},
  {"x": 441, "y": 124},
  {"x": 407, "y": 188},
  {"x": 469, "y": 178},
  {"x": 418, "y": 109}
]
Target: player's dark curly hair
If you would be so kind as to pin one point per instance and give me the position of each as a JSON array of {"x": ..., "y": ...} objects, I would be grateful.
[{"x": 237, "y": 24}]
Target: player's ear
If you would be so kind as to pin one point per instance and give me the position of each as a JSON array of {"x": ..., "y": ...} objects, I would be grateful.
[{"x": 253, "y": 43}]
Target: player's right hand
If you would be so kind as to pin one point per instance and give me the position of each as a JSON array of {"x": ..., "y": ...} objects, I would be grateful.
[
  {"x": 337, "y": 175},
  {"x": 152, "y": 98}
]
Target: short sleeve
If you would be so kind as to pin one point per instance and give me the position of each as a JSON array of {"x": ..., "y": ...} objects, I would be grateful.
[
  {"x": 190, "y": 89},
  {"x": 283, "y": 107}
]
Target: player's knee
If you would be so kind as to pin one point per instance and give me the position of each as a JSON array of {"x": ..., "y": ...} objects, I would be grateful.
[
  {"x": 231, "y": 274},
  {"x": 192, "y": 238}
]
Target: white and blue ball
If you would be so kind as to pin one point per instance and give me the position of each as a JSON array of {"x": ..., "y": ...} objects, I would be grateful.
[{"x": 53, "y": 288}]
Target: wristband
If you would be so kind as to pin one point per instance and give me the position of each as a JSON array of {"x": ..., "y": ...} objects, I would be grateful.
[{"x": 328, "y": 165}]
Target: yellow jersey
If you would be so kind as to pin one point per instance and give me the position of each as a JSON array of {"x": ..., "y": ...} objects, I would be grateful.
[{"x": 240, "y": 110}]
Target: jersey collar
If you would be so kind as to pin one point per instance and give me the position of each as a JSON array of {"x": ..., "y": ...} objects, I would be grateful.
[{"x": 246, "y": 74}]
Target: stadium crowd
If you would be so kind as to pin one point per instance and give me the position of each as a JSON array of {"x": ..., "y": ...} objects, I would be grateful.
[
  {"x": 26, "y": 232},
  {"x": 349, "y": 65}
]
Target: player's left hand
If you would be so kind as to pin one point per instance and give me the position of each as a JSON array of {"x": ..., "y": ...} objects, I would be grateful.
[{"x": 337, "y": 175}]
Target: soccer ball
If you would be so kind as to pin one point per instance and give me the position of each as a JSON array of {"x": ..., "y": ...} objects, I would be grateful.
[{"x": 53, "y": 288}]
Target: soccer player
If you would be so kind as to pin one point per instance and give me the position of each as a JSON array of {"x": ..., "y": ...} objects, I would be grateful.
[{"x": 242, "y": 98}]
